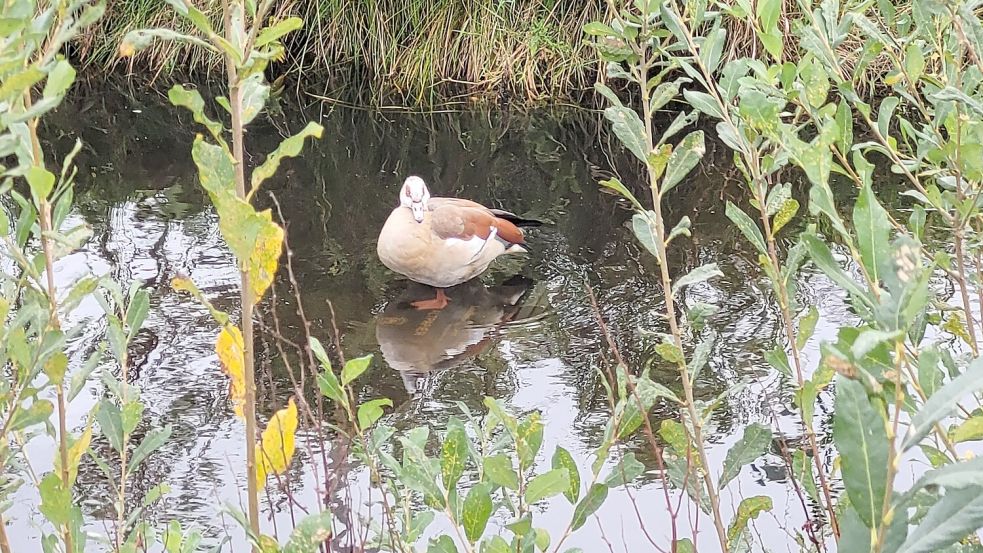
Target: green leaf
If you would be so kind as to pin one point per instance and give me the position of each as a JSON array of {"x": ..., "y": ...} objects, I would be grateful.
[
  {"x": 860, "y": 437},
  {"x": 155, "y": 438},
  {"x": 60, "y": 78},
  {"x": 807, "y": 325},
  {"x": 969, "y": 430},
  {"x": 754, "y": 443},
  {"x": 778, "y": 359},
  {"x": 371, "y": 411},
  {"x": 914, "y": 62},
  {"x": 703, "y": 102},
  {"x": 684, "y": 158},
  {"x": 777, "y": 196},
  {"x": 495, "y": 544},
  {"x": 626, "y": 471},
  {"x": 815, "y": 83},
  {"x": 675, "y": 435},
  {"x": 935, "y": 457},
  {"x": 254, "y": 95},
  {"x": 943, "y": 402},
  {"x": 19, "y": 81},
  {"x": 596, "y": 28},
  {"x": 130, "y": 416},
  {"x": 662, "y": 95},
  {"x": 328, "y": 383},
  {"x": 308, "y": 536},
  {"x": 442, "y": 544},
  {"x": 844, "y": 122},
  {"x": 136, "y": 311},
  {"x": 768, "y": 12},
  {"x": 542, "y": 539},
  {"x": 966, "y": 474},
  {"x": 588, "y": 505},
  {"x": 56, "y": 500},
  {"x": 290, "y": 147},
  {"x": 670, "y": 352},
  {"x": 749, "y": 509},
  {"x": 354, "y": 368},
  {"x": 453, "y": 454},
  {"x": 547, "y": 484},
  {"x": 54, "y": 368},
  {"x": 498, "y": 469},
  {"x": 563, "y": 459},
  {"x": 648, "y": 393},
  {"x": 697, "y": 275},
  {"x": 956, "y": 515},
  {"x": 111, "y": 423},
  {"x": 884, "y": 114},
  {"x": 39, "y": 411},
  {"x": 141, "y": 39},
  {"x": 712, "y": 47},
  {"x": 605, "y": 91},
  {"x": 680, "y": 122},
  {"x": 681, "y": 228},
  {"x": 318, "y": 350},
  {"x": 821, "y": 201},
  {"x": 823, "y": 258},
  {"x": 628, "y": 127},
  {"x": 762, "y": 111},
  {"x": 193, "y": 102},
  {"x": 81, "y": 376},
  {"x": 528, "y": 439},
  {"x": 873, "y": 231},
  {"x": 41, "y": 181},
  {"x": 477, "y": 509},
  {"x": 643, "y": 226},
  {"x": 617, "y": 186},
  {"x": 277, "y": 31},
  {"x": 684, "y": 545},
  {"x": 747, "y": 227}
]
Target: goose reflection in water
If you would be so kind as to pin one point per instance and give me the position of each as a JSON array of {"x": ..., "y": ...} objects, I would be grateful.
[{"x": 416, "y": 342}]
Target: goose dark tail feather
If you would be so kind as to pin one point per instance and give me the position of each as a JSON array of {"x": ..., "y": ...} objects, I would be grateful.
[{"x": 515, "y": 219}]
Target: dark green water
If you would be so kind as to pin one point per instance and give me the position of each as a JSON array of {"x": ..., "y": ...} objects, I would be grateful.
[{"x": 139, "y": 193}]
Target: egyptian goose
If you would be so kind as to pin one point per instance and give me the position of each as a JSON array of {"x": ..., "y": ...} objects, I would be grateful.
[{"x": 442, "y": 242}]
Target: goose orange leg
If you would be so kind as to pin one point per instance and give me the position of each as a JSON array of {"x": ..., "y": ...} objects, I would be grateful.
[{"x": 438, "y": 302}]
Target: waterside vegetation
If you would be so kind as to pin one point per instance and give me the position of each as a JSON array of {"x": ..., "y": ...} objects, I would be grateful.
[{"x": 906, "y": 377}]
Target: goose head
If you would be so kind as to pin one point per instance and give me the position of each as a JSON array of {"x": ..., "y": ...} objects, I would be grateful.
[{"x": 415, "y": 196}]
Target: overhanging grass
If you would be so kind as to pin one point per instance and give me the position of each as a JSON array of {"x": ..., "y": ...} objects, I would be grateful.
[
  {"x": 400, "y": 51},
  {"x": 420, "y": 52}
]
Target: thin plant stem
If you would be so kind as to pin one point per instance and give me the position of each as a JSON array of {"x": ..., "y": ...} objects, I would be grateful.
[
  {"x": 893, "y": 455},
  {"x": 44, "y": 216},
  {"x": 246, "y": 292},
  {"x": 121, "y": 496},
  {"x": 670, "y": 307},
  {"x": 4, "y": 542}
]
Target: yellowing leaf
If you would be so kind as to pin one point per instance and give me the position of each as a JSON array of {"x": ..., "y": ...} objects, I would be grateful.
[
  {"x": 788, "y": 210},
  {"x": 184, "y": 284},
  {"x": 77, "y": 448},
  {"x": 273, "y": 454},
  {"x": 262, "y": 263},
  {"x": 230, "y": 350},
  {"x": 955, "y": 326},
  {"x": 969, "y": 431}
]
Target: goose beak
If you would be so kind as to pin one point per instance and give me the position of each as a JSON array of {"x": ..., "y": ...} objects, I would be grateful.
[{"x": 418, "y": 209}]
